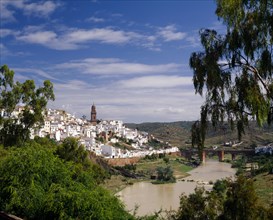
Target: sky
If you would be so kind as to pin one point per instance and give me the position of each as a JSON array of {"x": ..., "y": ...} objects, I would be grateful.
[{"x": 128, "y": 57}]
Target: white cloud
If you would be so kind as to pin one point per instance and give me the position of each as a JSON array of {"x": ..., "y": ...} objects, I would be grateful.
[
  {"x": 71, "y": 39},
  {"x": 38, "y": 9},
  {"x": 42, "y": 74},
  {"x": 95, "y": 19},
  {"x": 170, "y": 110},
  {"x": 41, "y": 37},
  {"x": 129, "y": 105},
  {"x": 6, "y": 32},
  {"x": 4, "y": 50},
  {"x": 170, "y": 33},
  {"x": 138, "y": 99},
  {"x": 6, "y": 15},
  {"x": 47, "y": 39},
  {"x": 193, "y": 41},
  {"x": 161, "y": 82},
  {"x": 111, "y": 66},
  {"x": 72, "y": 85},
  {"x": 74, "y": 38},
  {"x": 105, "y": 35}
]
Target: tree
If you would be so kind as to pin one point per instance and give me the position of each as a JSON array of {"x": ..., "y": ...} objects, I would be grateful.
[
  {"x": 227, "y": 201},
  {"x": 46, "y": 141},
  {"x": 235, "y": 69},
  {"x": 166, "y": 159},
  {"x": 200, "y": 205},
  {"x": 16, "y": 129},
  {"x": 165, "y": 174},
  {"x": 191, "y": 204},
  {"x": 39, "y": 185},
  {"x": 198, "y": 134},
  {"x": 70, "y": 150},
  {"x": 242, "y": 202}
]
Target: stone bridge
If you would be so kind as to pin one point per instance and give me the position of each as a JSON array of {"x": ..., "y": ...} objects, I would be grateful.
[{"x": 220, "y": 152}]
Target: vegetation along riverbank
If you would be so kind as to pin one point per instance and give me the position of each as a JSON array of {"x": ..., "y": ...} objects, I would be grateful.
[{"x": 157, "y": 169}]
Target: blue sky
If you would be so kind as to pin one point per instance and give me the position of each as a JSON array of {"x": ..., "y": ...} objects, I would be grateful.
[{"x": 130, "y": 57}]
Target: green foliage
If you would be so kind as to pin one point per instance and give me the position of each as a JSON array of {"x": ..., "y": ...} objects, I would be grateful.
[
  {"x": 151, "y": 157},
  {"x": 264, "y": 164},
  {"x": 130, "y": 167},
  {"x": 3, "y": 152},
  {"x": 70, "y": 150},
  {"x": 43, "y": 180},
  {"x": 39, "y": 185},
  {"x": 165, "y": 174},
  {"x": 220, "y": 186},
  {"x": 241, "y": 201},
  {"x": 194, "y": 206},
  {"x": 228, "y": 200},
  {"x": 166, "y": 159},
  {"x": 46, "y": 141},
  {"x": 16, "y": 130},
  {"x": 198, "y": 133},
  {"x": 154, "y": 143},
  {"x": 235, "y": 69}
]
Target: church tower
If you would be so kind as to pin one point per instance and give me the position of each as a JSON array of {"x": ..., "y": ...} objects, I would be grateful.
[{"x": 93, "y": 115}]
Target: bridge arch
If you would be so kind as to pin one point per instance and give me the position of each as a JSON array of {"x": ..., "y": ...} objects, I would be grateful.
[{"x": 188, "y": 153}]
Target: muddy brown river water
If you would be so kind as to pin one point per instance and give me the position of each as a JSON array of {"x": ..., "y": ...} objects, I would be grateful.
[{"x": 149, "y": 197}]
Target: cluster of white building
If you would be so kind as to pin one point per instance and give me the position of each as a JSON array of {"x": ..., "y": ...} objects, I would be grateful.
[
  {"x": 100, "y": 138},
  {"x": 264, "y": 149}
]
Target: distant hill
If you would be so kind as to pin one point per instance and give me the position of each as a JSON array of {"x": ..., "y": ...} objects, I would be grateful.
[
  {"x": 179, "y": 133},
  {"x": 176, "y": 133}
]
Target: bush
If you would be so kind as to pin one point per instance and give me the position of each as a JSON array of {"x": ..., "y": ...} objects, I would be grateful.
[
  {"x": 39, "y": 185},
  {"x": 166, "y": 160},
  {"x": 164, "y": 174}
]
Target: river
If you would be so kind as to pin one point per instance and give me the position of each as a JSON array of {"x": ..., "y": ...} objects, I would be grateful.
[{"x": 150, "y": 197}]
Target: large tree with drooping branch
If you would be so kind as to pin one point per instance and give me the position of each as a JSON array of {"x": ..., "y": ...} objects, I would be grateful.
[{"x": 234, "y": 70}]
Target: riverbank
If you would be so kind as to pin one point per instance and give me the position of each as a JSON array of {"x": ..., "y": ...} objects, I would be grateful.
[
  {"x": 145, "y": 169},
  {"x": 150, "y": 198},
  {"x": 179, "y": 166}
]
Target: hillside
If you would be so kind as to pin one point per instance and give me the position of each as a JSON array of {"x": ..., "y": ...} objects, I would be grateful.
[
  {"x": 179, "y": 133},
  {"x": 176, "y": 133}
]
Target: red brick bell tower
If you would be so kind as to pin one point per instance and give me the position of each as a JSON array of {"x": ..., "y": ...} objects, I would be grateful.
[{"x": 93, "y": 115}]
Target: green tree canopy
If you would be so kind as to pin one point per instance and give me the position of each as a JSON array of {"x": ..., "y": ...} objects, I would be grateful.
[
  {"x": 235, "y": 69},
  {"x": 70, "y": 150},
  {"x": 16, "y": 129},
  {"x": 165, "y": 174},
  {"x": 228, "y": 200},
  {"x": 39, "y": 185}
]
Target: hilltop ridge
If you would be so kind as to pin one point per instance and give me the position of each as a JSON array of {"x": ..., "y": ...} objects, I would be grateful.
[{"x": 179, "y": 133}]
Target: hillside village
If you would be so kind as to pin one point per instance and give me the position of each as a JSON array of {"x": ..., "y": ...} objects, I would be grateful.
[{"x": 96, "y": 136}]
